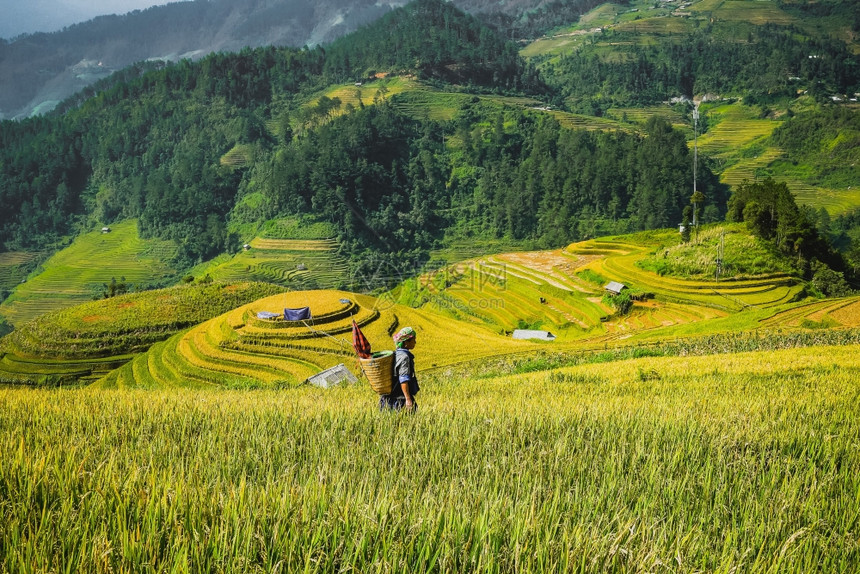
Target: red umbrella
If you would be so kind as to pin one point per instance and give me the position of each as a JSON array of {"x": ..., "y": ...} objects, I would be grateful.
[{"x": 360, "y": 342}]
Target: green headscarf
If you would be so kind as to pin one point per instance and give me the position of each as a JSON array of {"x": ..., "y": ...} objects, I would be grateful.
[{"x": 403, "y": 335}]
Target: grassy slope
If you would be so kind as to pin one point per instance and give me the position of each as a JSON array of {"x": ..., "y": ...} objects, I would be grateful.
[
  {"x": 14, "y": 266},
  {"x": 76, "y": 274}
]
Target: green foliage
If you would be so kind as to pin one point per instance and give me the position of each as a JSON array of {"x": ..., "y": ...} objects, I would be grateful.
[
  {"x": 297, "y": 228},
  {"x": 437, "y": 41},
  {"x": 770, "y": 212},
  {"x": 826, "y": 323},
  {"x": 633, "y": 74},
  {"x": 828, "y": 282},
  {"x": 743, "y": 255},
  {"x": 114, "y": 288},
  {"x": 622, "y": 302},
  {"x": 532, "y": 324},
  {"x": 5, "y": 327},
  {"x": 592, "y": 277}
]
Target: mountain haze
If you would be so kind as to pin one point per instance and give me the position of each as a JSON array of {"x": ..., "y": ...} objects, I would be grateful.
[
  {"x": 38, "y": 71},
  {"x": 50, "y": 67}
]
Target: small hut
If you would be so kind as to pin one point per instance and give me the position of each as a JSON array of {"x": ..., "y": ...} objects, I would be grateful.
[
  {"x": 615, "y": 288},
  {"x": 332, "y": 376},
  {"x": 533, "y": 334},
  {"x": 105, "y": 229}
]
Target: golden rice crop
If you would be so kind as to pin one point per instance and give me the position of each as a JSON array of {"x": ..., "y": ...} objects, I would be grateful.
[{"x": 737, "y": 463}]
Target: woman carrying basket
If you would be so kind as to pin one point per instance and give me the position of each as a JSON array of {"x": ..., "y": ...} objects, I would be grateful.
[{"x": 405, "y": 385}]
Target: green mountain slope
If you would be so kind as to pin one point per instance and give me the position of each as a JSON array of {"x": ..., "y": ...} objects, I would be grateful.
[
  {"x": 447, "y": 139},
  {"x": 80, "y": 272}
]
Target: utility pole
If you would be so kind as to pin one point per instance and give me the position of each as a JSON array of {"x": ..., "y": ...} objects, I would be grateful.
[
  {"x": 720, "y": 254},
  {"x": 695, "y": 158}
]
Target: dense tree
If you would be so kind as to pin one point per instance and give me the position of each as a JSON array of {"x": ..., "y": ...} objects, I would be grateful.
[
  {"x": 770, "y": 212},
  {"x": 759, "y": 69}
]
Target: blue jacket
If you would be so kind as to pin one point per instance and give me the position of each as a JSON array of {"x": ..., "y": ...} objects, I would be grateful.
[{"x": 404, "y": 372}]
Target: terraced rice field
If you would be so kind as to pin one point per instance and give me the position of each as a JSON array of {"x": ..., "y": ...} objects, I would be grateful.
[
  {"x": 738, "y": 138},
  {"x": 583, "y": 122},
  {"x": 762, "y": 292},
  {"x": 750, "y": 169},
  {"x": 835, "y": 201},
  {"x": 292, "y": 263},
  {"x": 240, "y": 156},
  {"x": 240, "y": 350},
  {"x": 843, "y": 312},
  {"x": 663, "y": 24},
  {"x": 13, "y": 267},
  {"x": 758, "y": 13},
  {"x": 76, "y": 274},
  {"x": 733, "y": 128},
  {"x": 83, "y": 343},
  {"x": 641, "y": 116},
  {"x": 17, "y": 370},
  {"x": 364, "y": 94},
  {"x": 546, "y": 290}
]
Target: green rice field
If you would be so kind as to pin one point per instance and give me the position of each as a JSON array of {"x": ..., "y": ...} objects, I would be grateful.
[
  {"x": 77, "y": 274},
  {"x": 292, "y": 263},
  {"x": 738, "y": 463}
]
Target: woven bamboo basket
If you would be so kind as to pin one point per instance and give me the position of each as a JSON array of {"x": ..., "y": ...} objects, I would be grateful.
[{"x": 379, "y": 370}]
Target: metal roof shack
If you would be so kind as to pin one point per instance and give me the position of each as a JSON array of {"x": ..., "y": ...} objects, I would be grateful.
[
  {"x": 614, "y": 287},
  {"x": 332, "y": 376},
  {"x": 533, "y": 334}
]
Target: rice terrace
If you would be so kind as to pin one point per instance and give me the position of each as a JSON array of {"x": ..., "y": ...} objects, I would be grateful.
[
  {"x": 621, "y": 242},
  {"x": 712, "y": 428}
]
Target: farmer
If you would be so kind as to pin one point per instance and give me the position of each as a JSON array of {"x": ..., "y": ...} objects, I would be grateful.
[{"x": 405, "y": 383}]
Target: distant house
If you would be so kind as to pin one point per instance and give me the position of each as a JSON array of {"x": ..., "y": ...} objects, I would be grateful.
[
  {"x": 105, "y": 229},
  {"x": 533, "y": 334},
  {"x": 246, "y": 247},
  {"x": 332, "y": 376},
  {"x": 615, "y": 288},
  {"x": 301, "y": 267}
]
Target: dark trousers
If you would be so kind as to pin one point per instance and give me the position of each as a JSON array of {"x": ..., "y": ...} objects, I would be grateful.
[{"x": 391, "y": 403}]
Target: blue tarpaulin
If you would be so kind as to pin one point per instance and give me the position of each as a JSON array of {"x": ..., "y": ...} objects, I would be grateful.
[{"x": 300, "y": 314}]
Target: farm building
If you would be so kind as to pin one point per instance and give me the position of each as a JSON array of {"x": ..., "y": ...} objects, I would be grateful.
[
  {"x": 614, "y": 287},
  {"x": 332, "y": 376},
  {"x": 533, "y": 334},
  {"x": 105, "y": 229}
]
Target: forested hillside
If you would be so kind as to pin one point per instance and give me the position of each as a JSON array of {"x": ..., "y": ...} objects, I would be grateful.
[
  {"x": 202, "y": 152},
  {"x": 150, "y": 146}
]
